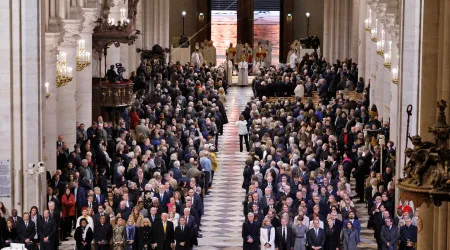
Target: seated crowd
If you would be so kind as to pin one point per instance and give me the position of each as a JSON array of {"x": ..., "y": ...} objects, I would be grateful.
[
  {"x": 310, "y": 74},
  {"x": 298, "y": 171},
  {"x": 137, "y": 183}
]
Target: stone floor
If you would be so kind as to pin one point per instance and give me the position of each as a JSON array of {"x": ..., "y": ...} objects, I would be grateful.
[{"x": 222, "y": 222}]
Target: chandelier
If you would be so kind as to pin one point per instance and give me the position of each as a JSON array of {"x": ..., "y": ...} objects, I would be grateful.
[
  {"x": 83, "y": 56},
  {"x": 63, "y": 73}
]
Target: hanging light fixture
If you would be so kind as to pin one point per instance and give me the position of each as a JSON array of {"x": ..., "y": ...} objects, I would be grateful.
[
  {"x": 83, "y": 56},
  {"x": 63, "y": 72}
]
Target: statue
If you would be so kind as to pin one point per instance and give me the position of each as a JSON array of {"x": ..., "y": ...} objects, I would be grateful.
[{"x": 426, "y": 174}]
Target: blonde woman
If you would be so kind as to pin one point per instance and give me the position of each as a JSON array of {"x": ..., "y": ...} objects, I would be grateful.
[
  {"x": 267, "y": 235},
  {"x": 222, "y": 96}
]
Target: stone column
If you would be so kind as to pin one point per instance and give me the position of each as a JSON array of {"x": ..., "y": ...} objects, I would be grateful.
[
  {"x": 337, "y": 32},
  {"x": 50, "y": 110},
  {"x": 345, "y": 31},
  {"x": 84, "y": 77},
  {"x": 66, "y": 105},
  {"x": 355, "y": 29},
  {"x": 425, "y": 235},
  {"x": 362, "y": 40},
  {"x": 326, "y": 29}
]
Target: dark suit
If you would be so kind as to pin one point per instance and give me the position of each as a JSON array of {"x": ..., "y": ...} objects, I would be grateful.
[
  {"x": 183, "y": 236},
  {"x": 79, "y": 238},
  {"x": 284, "y": 243},
  {"x": 313, "y": 240},
  {"x": 16, "y": 221},
  {"x": 48, "y": 229},
  {"x": 27, "y": 232},
  {"x": 163, "y": 239},
  {"x": 407, "y": 233},
  {"x": 103, "y": 233},
  {"x": 94, "y": 205},
  {"x": 250, "y": 230},
  {"x": 389, "y": 235},
  {"x": 165, "y": 199}
]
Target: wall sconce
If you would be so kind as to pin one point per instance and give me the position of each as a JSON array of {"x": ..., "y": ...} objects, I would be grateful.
[
  {"x": 83, "y": 57},
  {"x": 395, "y": 75},
  {"x": 374, "y": 31},
  {"x": 388, "y": 57},
  {"x": 47, "y": 91},
  {"x": 63, "y": 72},
  {"x": 367, "y": 25},
  {"x": 201, "y": 16},
  {"x": 380, "y": 45},
  {"x": 289, "y": 16}
]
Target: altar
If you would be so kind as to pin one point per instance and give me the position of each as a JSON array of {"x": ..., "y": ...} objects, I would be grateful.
[{"x": 183, "y": 55}]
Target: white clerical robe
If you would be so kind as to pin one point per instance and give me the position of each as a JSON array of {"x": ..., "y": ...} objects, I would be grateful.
[
  {"x": 243, "y": 73},
  {"x": 196, "y": 59},
  {"x": 293, "y": 60},
  {"x": 229, "y": 66}
]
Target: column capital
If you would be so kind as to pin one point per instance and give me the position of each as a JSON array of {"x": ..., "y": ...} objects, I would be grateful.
[
  {"x": 52, "y": 41},
  {"x": 90, "y": 16},
  {"x": 71, "y": 31}
]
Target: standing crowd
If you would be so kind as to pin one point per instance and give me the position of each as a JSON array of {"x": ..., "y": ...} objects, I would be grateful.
[
  {"x": 300, "y": 163},
  {"x": 137, "y": 182}
]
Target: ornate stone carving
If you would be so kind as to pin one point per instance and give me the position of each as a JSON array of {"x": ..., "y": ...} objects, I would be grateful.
[
  {"x": 427, "y": 176},
  {"x": 90, "y": 16},
  {"x": 52, "y": 41},
  {"x": 71, "y": 31}
]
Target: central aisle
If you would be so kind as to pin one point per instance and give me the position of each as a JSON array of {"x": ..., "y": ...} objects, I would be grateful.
[{"x": 223, "y": 218}]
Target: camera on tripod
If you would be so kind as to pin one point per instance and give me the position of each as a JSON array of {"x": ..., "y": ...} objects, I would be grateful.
[{"x": 120, "y": 70}]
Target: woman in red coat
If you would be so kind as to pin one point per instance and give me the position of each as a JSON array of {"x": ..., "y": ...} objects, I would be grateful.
[
  {"x": 68, "y": 212},
  {"x": 134, "y": 118}
]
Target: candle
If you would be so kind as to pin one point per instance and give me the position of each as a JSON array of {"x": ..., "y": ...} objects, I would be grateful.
[
  {"x": 70, "y": 72},
  {"x": 46, "y": 87}
]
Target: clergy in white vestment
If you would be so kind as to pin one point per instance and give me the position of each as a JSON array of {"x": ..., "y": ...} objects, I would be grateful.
[
  {"x": 293, "y": 59},
  {"x": 196, "y": 58},
  {"x": 268, "y": 48},
  {"x": 243, "y": 72}
]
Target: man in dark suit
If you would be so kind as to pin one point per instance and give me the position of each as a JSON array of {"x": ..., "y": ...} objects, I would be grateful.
[
  {"x": 56, "y": 217},
  {"x": 163, "y": 196},
  {"x": 389, "y": 235},
  {"x": 163, "y": 234},
  {"x": 408, "y": 235},
  {"x": 190, "y": 222},
  {"x": 15, "y": 218},
  {"x": 98, "y": 196},
  {"x": 91, "y": 203},
  {"x": 26, "y": 231},
  {"x": 284, "y": 240},
  {"x": 47, "y": 231},
  {"x": 183, "y": 236},
  {"x": 316, "y": 236},
  {"x": 123, "y": 210},
  {"x": 97, "y": 216},
  {"x": 103, "y": 234},
  {"x": 154, "y": 217},
  {"x": 250, "y": 233}
]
